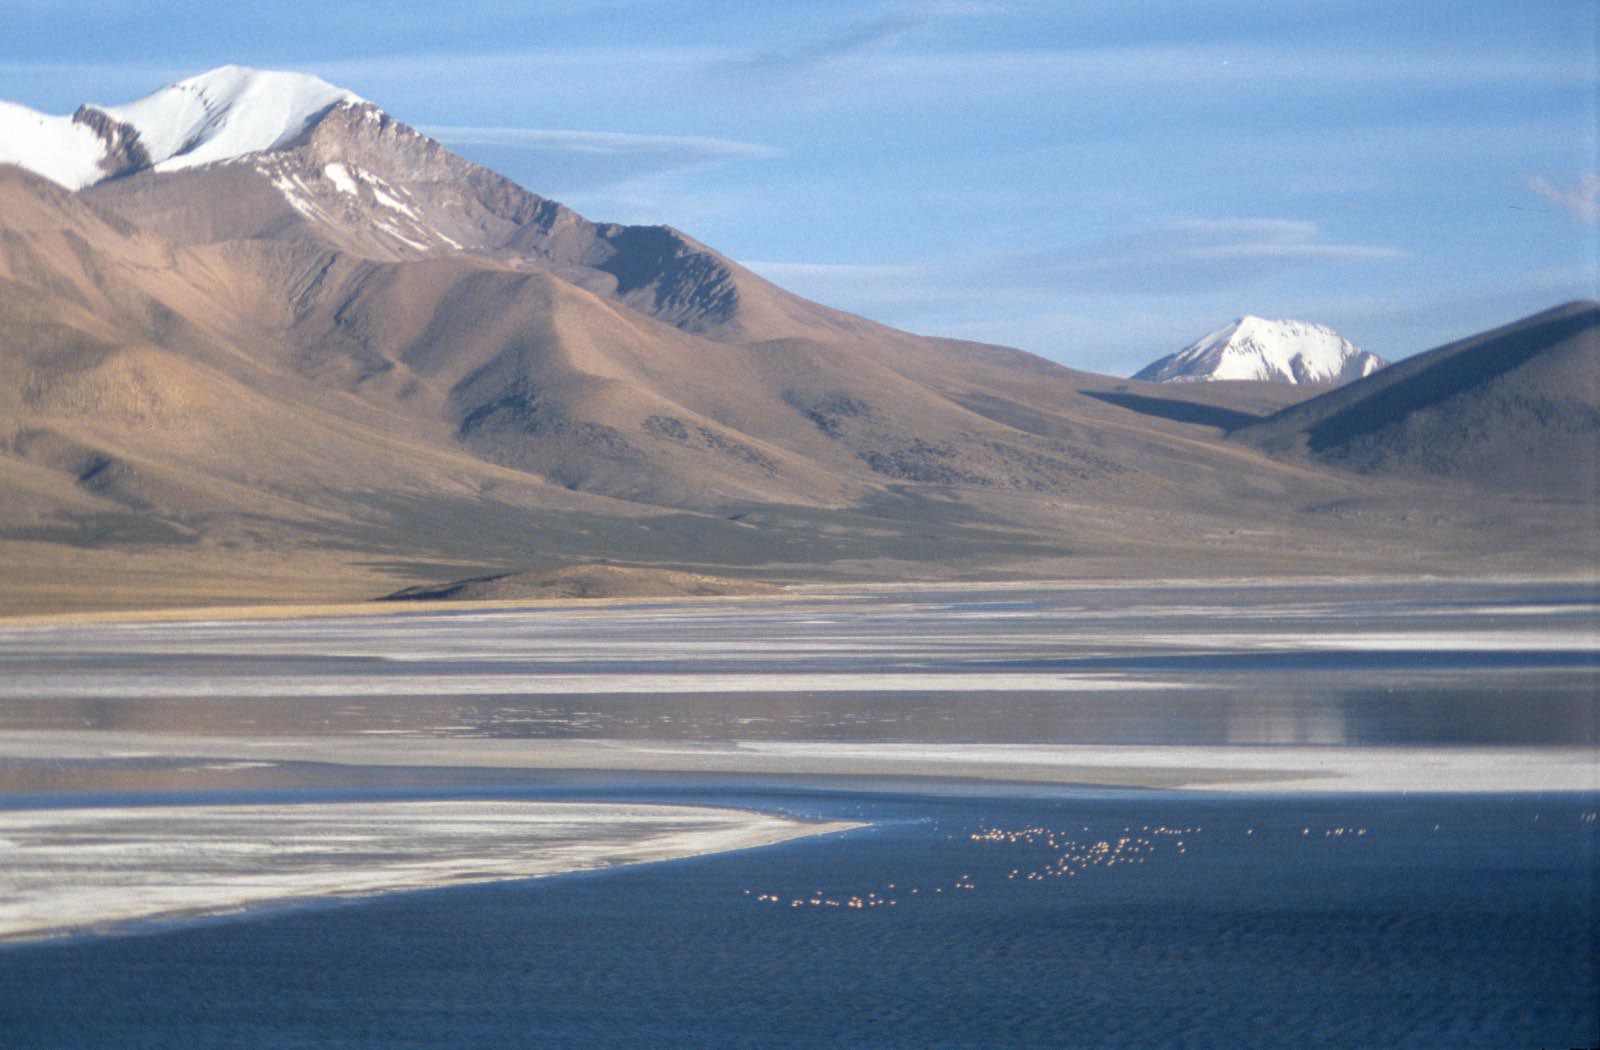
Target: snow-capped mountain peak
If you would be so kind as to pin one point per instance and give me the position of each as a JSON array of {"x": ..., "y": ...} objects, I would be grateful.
[
  {"x": 227, "y": 113},
  {"x": 1254, "y": 348},
  {"x": 223, "y": 114}
]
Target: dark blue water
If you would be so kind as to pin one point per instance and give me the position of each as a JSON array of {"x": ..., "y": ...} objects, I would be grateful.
[{"x": 1057, "y": 919}]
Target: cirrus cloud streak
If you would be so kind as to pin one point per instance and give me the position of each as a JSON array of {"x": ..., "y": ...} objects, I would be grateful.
[{"x": 1582, "y": 201}]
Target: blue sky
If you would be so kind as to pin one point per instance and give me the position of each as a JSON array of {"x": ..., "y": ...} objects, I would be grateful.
[{"x": 1098, "y": 182}]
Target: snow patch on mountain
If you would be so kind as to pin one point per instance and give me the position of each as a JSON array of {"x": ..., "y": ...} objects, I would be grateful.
[
  {"x": 349, "y": 179},
  {"x": 400, "y": 222},
  {"x": 1254, "y": 348},
  {"x": 221, "y": 115},
  {"x": 341, "y": 178},
  {"x": 295, "y": 192},
  {"x": 61, "y": 149},
  {"x": 384, "y": 193}
]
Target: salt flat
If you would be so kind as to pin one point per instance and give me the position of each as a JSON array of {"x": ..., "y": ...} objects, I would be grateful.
[
  {"x": 70, "y": 870},
  {"x": 1258, "y": 768},
  {"x": 1354, "y": 688},
  {"x": 924, "y": 679},
  {"x": 1268, "y": 652}
]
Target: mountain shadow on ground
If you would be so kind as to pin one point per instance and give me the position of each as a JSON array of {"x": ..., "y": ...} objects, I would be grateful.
[{"x": 1226, "y": 419}]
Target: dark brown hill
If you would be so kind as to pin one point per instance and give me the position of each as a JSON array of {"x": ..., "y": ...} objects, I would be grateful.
[
  {"x": 1516, "y": 408},
  {"x": 587, "y": 582}
]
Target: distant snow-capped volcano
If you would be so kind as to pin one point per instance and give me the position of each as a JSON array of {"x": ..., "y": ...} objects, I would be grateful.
[
  {"x": 1253, "y": 348},
  {"x": 224, "y": 114}
]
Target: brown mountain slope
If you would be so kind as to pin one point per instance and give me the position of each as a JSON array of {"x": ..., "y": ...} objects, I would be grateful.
[
  {"x": 366, "y": 184},
  {"x": 542, "y": 339},
  {"x": 135, "y": 387},
  {"x": 359, "y": 361},
  {"x": 1516, "y": 408},
  {"x": 534, "y": 369}
]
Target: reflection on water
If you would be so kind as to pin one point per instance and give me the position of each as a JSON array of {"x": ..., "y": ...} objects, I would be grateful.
[{"x": 1314, "y": 663}]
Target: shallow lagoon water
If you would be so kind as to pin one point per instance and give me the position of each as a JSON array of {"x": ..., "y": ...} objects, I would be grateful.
[
  {"x": 1329, "y": 664},
  {"x": 962, "y": 917},
  {"x": 1044, "y": 916}
]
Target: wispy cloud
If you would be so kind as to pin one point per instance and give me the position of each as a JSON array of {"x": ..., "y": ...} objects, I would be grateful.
[
  {"x": 1246, "y": 67},
  {"x": 861, "y": 37},
  {"x": 1257, "y": 239},
  {"x": 1197, "y": 254},
  {"x": 885, "y": 30},
  {"x": 1186, "y": 256},
  {"x": 689, "y": 149},
  {"x": 841, "y": 272},
  {"x": 560, "y": 160},
  {"x": 1582, "y": 201}
]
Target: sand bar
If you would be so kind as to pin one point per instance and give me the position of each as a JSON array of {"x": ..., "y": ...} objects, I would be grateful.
[
  {"x": 94, "y": 869},
  {"x": 1258, "y": 768}
]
